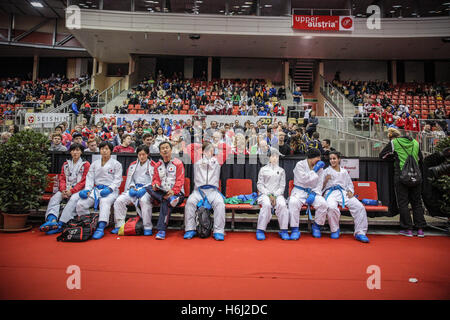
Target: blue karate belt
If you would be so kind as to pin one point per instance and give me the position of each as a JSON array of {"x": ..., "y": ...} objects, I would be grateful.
[
  {"x": 337, "y": 187},
  {"x": 308, "y": 191},
  {"x": 204, "y": 202},
  {"x": 96, "y": 200}
]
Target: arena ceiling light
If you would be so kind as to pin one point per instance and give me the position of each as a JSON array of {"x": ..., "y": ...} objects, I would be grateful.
[
  {"x": 37, "y": 4},
  {"x": 248, "y": 2},
  {"x": 397, "y": 6},
  {"x": 268, "y": 5}
]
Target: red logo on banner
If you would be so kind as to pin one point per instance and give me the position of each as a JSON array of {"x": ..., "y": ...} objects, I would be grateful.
[{"x": 347, "y": 23}]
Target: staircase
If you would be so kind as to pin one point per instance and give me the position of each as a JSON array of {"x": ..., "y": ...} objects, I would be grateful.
[{"x": 303, "y": 74}]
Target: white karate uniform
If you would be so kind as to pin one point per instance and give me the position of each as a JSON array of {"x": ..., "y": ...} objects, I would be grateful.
[
  {"x": 307, "y": 178},
  {"x": 272, "y": 180},
  {"x": 110, "y": 175},
  {"x": 206, "y": 172},
  {"x": 74, "y": 174},
  {"x": 136, "y": 174},
  {"x": 355, "y": 207}
]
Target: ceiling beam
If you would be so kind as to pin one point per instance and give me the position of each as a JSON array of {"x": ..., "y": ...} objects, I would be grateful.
[
  {"x": 65, "y": 40},
  {"x": 54, "y": 11},
  {"x": 35, "y": 28},
  {"x": 41, "y": 46},
  {"x": 17, "y": 8},
  {"x": 29, "y": 2}
]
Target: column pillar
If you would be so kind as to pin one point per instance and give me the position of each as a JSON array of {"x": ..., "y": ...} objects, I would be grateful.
[
  {"x": 394, "y": 72},
  {"x": 285, "y": 71},
  {"x": 209, "y": 68},
  {"x": 35, "y": 67}
]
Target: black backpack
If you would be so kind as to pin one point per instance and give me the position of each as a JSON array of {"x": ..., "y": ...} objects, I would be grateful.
[
  {"x": 410, "y": 174},
  {"x": 205, "y": 222},
  {"x": 79, "y": 229}
]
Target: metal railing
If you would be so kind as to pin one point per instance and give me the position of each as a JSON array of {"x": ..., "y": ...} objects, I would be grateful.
[
  {"x": 366, "y": 129},
  {"x": 110, "y": 93},
  {"x": 337, "y": 98},
  {"x": 314, "y": 11}
]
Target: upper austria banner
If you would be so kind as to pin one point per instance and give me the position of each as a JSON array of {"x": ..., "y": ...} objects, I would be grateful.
[{"x": 323, "y": 23}]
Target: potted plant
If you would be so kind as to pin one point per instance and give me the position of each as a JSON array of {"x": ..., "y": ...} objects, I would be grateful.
[{"x": 23, "y": 177}]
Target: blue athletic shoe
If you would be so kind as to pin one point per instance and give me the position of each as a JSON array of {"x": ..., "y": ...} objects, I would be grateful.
[
  {"x": 173, "y": 201},
  {"x": 161, "y": 235},
  {"x": 295, "y": 234},
  {"x": 189, "y": 234},
  {"x": 335, "y": 235},
  {"x": 59, "y": 229},
  {"x": 98, "y": 234},
  {"x": 260, "y": 235},
  {"x": 316, "y": 230},
  {"x": 148, "y": 232},
  {"x": 50, "y": 224},
  {"x": 284, "y": 234},
  {"x": 362, "y": 238},
  {"x": 115, "y": 231},
  {"x": 219, "y": 236}
]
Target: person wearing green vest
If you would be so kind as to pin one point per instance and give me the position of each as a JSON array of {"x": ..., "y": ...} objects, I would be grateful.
[{"x": 399, "y": 148}]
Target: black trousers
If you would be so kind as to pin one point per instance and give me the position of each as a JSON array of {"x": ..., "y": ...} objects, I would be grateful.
[{"x": 411, "y": 195}]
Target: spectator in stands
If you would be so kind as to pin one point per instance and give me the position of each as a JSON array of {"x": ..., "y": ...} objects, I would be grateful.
[
  {"x": 326, "y": 149},
  {"x": 138, "y": 136},
  {"x": 125, "y": 146},
  {"x": 56, "y": 144},
  {"x": 313, "y": 121},
  {"x": 92, "y": 146},
  {"x": 297, "y": 94},
  {"x": 401, "y": 122},
  {"x": 77, "y": 138},
  {"x": 239, "y": 145},
  {"x": 399, "y": 148},
  {"x": 283, "y": 146},
  {"x": 167, "y": 186},
  {"x": 13, "y": 129},
  {"x": 117, "y": 140},
  {"x": 5, "y": 137},
  {"x": 148, "y": 140},
  {"x": 281, "y": 93},
  {"x": 160, "y": 137}
]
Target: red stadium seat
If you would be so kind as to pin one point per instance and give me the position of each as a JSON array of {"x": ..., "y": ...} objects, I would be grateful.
[{"x": 368, "y": 190}]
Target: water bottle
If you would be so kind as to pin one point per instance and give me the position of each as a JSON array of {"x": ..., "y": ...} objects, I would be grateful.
[{"x": 371, "y": 202}]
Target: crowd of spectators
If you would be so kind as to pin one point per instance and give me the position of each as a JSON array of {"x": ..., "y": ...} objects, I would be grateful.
[
  {"x": 15, "y": 92},
  {"x": 380, "y": 104},
  {"x": 241, "y": 138},
  {"x": 224, "y": 97}
]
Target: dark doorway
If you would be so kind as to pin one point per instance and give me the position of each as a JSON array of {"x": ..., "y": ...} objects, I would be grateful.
[
  {"x": 429, "y": 71},
  {"x": 400, "y": 71},
  {"x": 170, "y": 65},
  {"x": 215, "y": 68},
  {"x": 21, "y": 67},
  {"x": 200, "y": 66},
  {"x": 49, "y": 66}
]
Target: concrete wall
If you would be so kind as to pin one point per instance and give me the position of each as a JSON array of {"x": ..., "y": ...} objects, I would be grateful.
[
  {"x": 414, "y": 71},
  {"x": 442, "y": 71},
  {"x": 356, "y": 70},
  {"x": 243, "y": 68}
]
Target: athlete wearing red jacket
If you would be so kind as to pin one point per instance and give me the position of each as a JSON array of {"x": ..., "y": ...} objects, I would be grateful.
[
  {"x": 167, "y": 186},
  {"x": 70, "y": 182},
  {"x": 412, "y": 123}
]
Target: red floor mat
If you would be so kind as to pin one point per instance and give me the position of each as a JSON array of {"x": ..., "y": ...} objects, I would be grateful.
[{"x": 33, "y": 266}]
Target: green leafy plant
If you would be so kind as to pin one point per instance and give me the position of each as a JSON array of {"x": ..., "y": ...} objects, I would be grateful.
[
  {"x": 23, "y": 171},
  {"x": 443, "y": 183}
]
